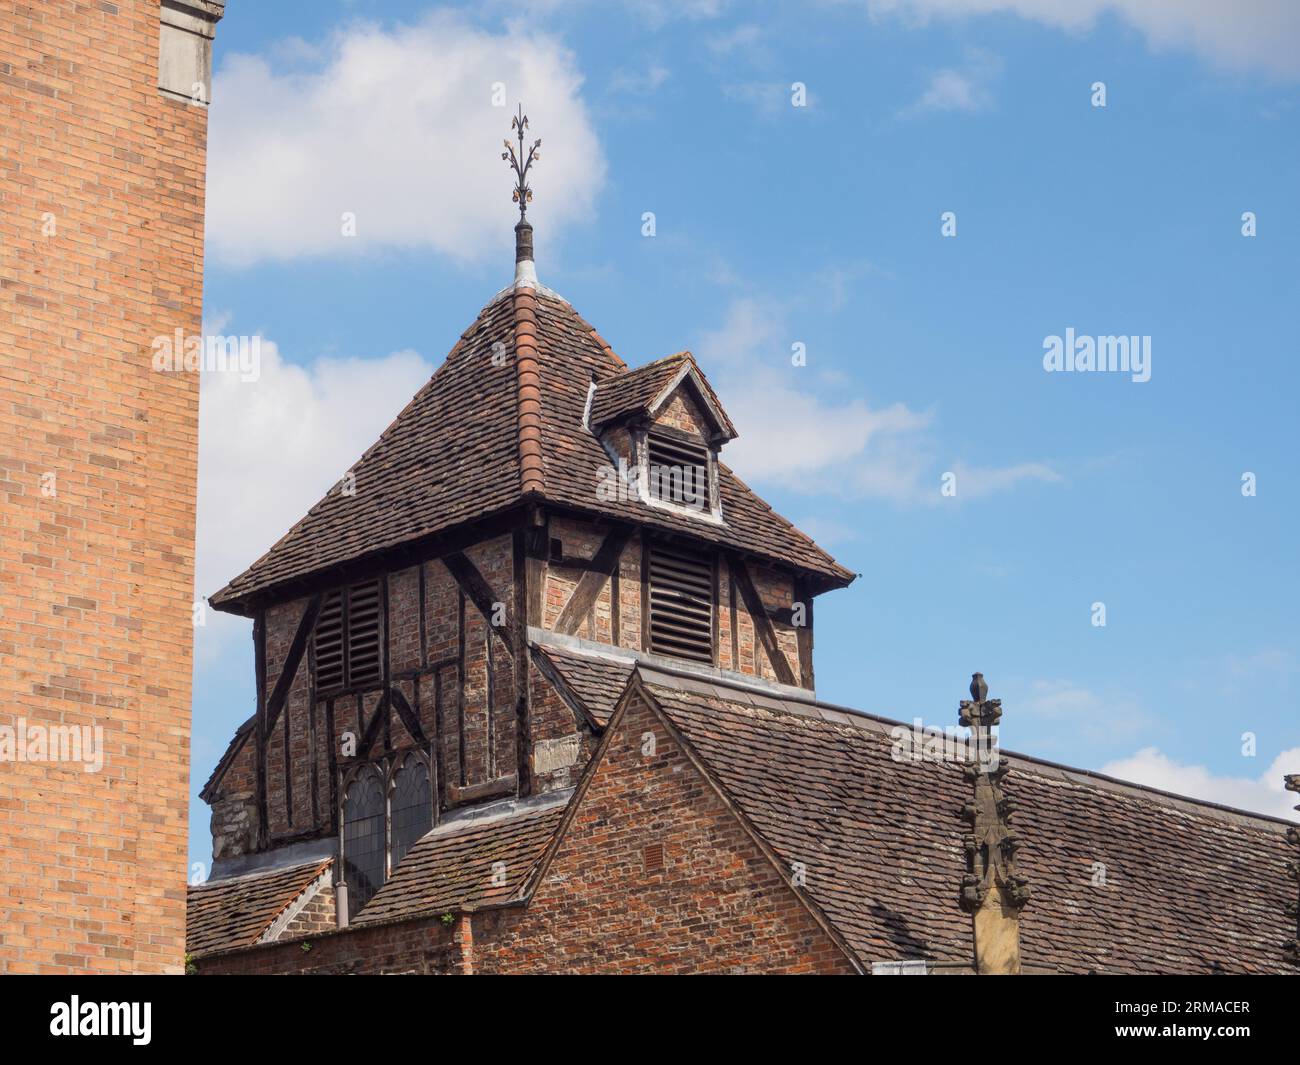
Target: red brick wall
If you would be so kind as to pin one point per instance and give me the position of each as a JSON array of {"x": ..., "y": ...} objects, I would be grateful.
[
  {"x": 605, "y": 906},
  {"x": 97, "y": 582},
  {"x": 655, "y": 875},
  {"x": 316, "y": 918},
  {"x": 299, "y": 800},
  {"x": 427, "y": 947},
  {"x": 743, "y": 654}
]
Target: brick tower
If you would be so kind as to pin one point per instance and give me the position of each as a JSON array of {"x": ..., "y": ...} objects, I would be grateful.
[{"x": 102, "y": 146}]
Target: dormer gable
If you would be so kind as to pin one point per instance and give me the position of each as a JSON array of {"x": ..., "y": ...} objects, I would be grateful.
[
  {"x": 670, "y": 391},
  {"x": 662, "y": 426}
]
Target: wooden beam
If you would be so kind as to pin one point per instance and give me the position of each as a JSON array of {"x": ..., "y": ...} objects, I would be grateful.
[
  {"x": 371, "y": 733},
  {"x": 478, "y": 591},
  {"x": 804, "y": 633},
  {"x": 762, "y": 623},
  {"x": 407, "y": 715},
  {"x": 524, "y": 577},
  {"x": 259, "y": 654},
  {"x": 592, "y": 583},
  {"x": 292, "y": 660}
]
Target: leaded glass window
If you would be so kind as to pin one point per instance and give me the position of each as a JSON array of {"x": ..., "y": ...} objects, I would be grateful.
[
  {"x": 363, "y": 838},
  {"x": 412, "y": 806}
]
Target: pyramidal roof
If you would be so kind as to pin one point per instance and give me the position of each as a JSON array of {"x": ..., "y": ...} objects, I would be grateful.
[{"x": 500, "y": 423}]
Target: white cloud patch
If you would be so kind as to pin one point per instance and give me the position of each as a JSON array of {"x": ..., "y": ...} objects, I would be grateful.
[
  {"x": 768, "y": 98},
  {"x": 1244, "y": 35},
  {"x": 639, "y": 82},
  {"x": 976, "y": 482},
  {"x": 964, "y": 88},
  {"x": 396, "y": 127},
  {"x": 1088, "y": 714},
  {"x": 270, "y": 448},
  {"x": 1262, "y": 794},
  {"x": 790, "y": 434}
]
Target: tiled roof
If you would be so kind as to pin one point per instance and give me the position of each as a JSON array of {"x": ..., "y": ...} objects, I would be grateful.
[
  {"x": 222, "y": 914},
  {"x": 635, "y": 391},
  {"x": 453, "y": 455},
  {"x": 1188, "y": 887},
  {"x": 232, "y": 748},
  {"x": 454, "y": 865},
  {"x": 595, "y": 681}
]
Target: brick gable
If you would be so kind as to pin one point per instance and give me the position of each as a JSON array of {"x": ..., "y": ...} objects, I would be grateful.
[{"x": 655, "y": 874}]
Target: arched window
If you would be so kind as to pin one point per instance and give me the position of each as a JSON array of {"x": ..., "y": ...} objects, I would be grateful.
[
  {"x": 363, "y": 838},
  {"x": 412, "y": 806}
]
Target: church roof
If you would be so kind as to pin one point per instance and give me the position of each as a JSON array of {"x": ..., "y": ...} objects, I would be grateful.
[
  {"x": 645, "y": 389},
  {"x": 465, "y": 448},
  {"x": 236, "y": 912},
  {"x": 593, "y": 681},
  {"x": 1125, "y": 878},
  {"x": 477, "y": 860}
]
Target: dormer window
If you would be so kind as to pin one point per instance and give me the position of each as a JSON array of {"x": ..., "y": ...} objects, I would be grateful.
[
  {"x": 662, "y": 426},
  {"x": 679, "y": 469},
  {"x": 347, "y": 638}
]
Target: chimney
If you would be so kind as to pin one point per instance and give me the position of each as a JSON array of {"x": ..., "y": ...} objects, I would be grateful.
[{"x": 991, "y": 891}]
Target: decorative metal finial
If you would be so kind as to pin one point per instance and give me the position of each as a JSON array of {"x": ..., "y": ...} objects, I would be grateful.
[
  {"x": 521, "y": 163},
  {"x": 522, "y": 194}
]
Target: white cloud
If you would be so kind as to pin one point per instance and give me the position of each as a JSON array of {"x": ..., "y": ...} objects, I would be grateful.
[
  {"x": 1093, "y": 716},
  {"x": 398, "y": 128},
  {"x": 791, "y": 435},
  {"x": 1269, "y": 660},
  {"x": 976, "y": 482},
  {"x": 270, "y": 448},
  {"x": 639, "y": 82},
  {"x": 965, "y": 88},
  {"x": 746, "y": 39},
  {"x": 1263, "y": 794},
  {"x": 768, "y": 98},
  {"x": 1246, "y": 34}
]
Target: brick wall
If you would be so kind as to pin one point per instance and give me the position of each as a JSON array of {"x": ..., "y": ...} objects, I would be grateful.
[
  {"x": 316, "y": 918},
  {"x": 101, "y": 250},
  {"x": 655, "y": 875},
  {"x": 427, "y": 947},
  {"x": 738, "y": 646}
]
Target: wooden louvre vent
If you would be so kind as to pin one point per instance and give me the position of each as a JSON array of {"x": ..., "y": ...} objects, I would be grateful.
[
  {"x": 681, "y": 604},
  {"x": 679, "y": 470},
  {"x": 347, "y": 638}
]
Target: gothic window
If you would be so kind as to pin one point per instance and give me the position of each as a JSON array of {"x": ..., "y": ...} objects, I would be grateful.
[
  {"x": 383, "y": 817},
  {"x": 681, "y": 603},
  {"x": 348, "y": 648},
  {"x": 412, "y": 806},
  {"x": 364, "y": 864},
  {"x": 678, "y": 470}
]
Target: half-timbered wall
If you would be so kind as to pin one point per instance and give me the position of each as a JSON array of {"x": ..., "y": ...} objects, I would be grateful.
[
  {"x": 452, "y": 686},
  {"x": 615, "y": 615}
]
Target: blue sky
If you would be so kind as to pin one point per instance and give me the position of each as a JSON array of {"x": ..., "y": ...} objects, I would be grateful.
[{"x": 820, "y": 225}]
